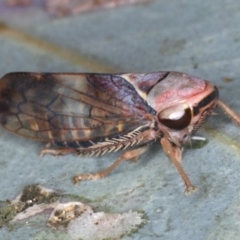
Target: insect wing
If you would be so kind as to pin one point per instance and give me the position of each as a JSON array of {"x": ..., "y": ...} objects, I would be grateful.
[{"x": 70, "y": 107}]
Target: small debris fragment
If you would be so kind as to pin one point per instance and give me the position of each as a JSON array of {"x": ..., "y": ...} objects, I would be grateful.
[
  {"x": 196, "y": 143},
  {"x": 227, "y": 79},
  {"x": 7, "y": 212},
  {"x": 34, "y": 194},
  {"x": 101, "y": 225},
  {"x": 65, "y": 212},
  {"x": 33, "y": 200},
  {"x": 78, "y": 219}
]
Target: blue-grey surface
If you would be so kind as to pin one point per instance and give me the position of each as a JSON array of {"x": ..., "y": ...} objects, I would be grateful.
[{"x": 198, "y": 37}]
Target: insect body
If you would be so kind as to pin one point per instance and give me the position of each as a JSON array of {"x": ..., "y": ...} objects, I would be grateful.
[{"x": 100, "y": 113}]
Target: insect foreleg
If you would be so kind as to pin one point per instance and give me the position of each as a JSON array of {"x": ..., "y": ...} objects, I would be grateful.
[
  {"x": 175, "y": 154},
  {"x": 129, "y": 155}
]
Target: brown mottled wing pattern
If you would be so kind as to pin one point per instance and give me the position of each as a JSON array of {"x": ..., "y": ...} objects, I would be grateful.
[{"x": 70, "y": 107}]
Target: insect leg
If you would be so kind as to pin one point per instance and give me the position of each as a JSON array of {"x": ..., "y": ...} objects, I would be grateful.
[
  {"x": 175, "y": 154},
  {"x": 230, "y": 112},
  {"x": 129, "y": 155},
  {"x": 57, "y": 152}
]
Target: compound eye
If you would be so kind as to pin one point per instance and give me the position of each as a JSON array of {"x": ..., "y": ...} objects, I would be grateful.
[{"x": 176, "y": 117}]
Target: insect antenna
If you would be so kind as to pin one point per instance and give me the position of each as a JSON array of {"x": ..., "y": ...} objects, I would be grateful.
[{"x": 229, "y": 111}]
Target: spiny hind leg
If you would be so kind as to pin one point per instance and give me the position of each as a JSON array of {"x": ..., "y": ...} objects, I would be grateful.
[{"x": 129, "y": 155}]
